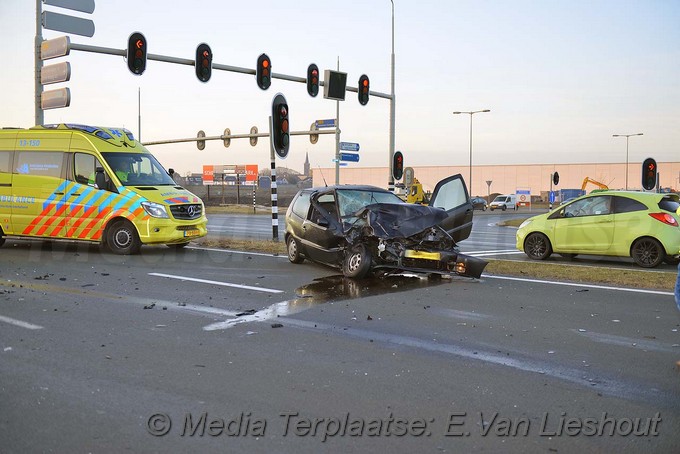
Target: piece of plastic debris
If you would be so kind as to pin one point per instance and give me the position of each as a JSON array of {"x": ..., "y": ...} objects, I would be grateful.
[{"x": 277, "y": 325}]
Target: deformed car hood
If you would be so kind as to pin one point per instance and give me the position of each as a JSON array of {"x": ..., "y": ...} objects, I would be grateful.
[{"x": 391, "y": 220}]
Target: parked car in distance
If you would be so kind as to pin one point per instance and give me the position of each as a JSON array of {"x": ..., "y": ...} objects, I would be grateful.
[
  {"x": 504, "y": 202},
  {"x": 362, "y": 229},
  {"x": 641, "y": 225},
  {"x": 479, "y": 203}
]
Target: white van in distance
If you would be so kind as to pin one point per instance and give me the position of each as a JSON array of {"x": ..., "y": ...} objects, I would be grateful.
[{"x": 503, "y": 202}]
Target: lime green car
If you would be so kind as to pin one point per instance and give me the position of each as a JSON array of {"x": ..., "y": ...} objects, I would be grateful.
[{"x": 641, "y": 225}]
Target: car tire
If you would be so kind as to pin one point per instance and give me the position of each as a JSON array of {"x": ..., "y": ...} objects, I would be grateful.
[
  {"x": 122, "y": 238},
  {"x": 2, "y": 237},
  {"x": 537, "y": 246},
  {"x": 483, "y": 208},
  {"x": 357, "y": 262},
  {"x": 504, "y": 208},
  {"x": 293, "y": 250},
  {"x": 647, "y": 252}
]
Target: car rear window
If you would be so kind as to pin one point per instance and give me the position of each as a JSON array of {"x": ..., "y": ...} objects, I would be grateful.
[{"x": 669, "y": 204}]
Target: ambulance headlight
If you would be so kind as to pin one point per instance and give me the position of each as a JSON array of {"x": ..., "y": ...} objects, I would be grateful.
[{"x": 154, "y": 209}]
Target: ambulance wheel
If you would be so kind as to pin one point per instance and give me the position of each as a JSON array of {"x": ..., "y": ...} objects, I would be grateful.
[
  {"x": 122, "y": 238},
  {"x": 2, "y": 237}
]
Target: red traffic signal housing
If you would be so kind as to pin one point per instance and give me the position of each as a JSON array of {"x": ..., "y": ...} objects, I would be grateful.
[
  {"x": 363, "y": 89},
  {"x": 313, "y": 80},
  {"x": 136, "y": 53},
  {"x": 398, "y": 165},
  {"x": 280, "y": 126},
  {"x": 203, "y": 62},
  {"x": 263, "y": 72},
  {"x": 649, "y": 173}
]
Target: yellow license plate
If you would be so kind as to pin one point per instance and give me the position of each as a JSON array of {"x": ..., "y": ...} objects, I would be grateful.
[
  {"x": 193, "y": 232},
  {"x": 422, "y": 255}
]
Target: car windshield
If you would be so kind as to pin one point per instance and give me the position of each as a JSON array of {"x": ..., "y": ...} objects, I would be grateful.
[
  {"x": 134, "y": 169},
  {"x": 350, "y": 201}
]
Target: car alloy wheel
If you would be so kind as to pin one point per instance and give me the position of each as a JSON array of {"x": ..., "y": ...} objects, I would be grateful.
[
  {"x": 537, "y": 246},
  {"x": 647, "y": 252}
]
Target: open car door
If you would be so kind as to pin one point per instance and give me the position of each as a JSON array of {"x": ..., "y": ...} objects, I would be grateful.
[{"x": 451, "y": 194}]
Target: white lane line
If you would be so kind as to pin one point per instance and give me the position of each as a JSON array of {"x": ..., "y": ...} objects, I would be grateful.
[
  {"x": 573, "y": 284},
  {"x": 225, "y": 284},
  {"x": 237, "y": 252},
  {"x": 15, "y": 322}
]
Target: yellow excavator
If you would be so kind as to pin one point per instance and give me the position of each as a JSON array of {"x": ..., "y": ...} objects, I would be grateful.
[
  {"x": 415, "y": 193},
  {"x": 601, "y": 186}
]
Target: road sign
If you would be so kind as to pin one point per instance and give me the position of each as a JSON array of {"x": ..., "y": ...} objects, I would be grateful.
[
  {"x": 84, "y": 6},
  {"x": 349, "y": 146},
  {"x": 53, "y": 48},
  {"x": 67, "y": 24},
  {"x": 52, "y": 74},
  {"x": 325, "y": 123},
  {"x": 349, "y": 157},
  {"x": 54, "y": 99}
]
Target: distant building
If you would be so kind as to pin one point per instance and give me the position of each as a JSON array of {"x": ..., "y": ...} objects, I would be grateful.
[{"x": 307, "y": 167}]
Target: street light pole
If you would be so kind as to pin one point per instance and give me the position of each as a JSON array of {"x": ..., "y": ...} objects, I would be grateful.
[
  {"x": 471, "y": 114},
  {"x": 626, "y": 136},
  {"x": 390, "y": 179}
]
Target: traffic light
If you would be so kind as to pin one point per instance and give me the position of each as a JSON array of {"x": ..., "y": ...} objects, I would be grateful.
[
  {"x": 203, "y": 62},
  {"x": 280, "y": 126},
  {"x": 263, "y": 72},
  {"x": 556, "y": 178},
  {"x": 313, "y": 80},
  {"x": 398, "y": 165},
  {"x": 649, "y": 172},
  {"x": 363, "y": 90},
  {"x": 136, "y": 53}
]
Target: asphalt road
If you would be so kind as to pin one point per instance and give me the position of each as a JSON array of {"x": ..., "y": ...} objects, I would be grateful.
[{"x": 218, "y": 351}]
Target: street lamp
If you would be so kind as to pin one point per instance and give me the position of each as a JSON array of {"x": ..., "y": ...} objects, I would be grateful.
[
  {"x": 471, "y": 114},
  {"x": 390, "y": 179},
  {"x": 626, "y": 136}
]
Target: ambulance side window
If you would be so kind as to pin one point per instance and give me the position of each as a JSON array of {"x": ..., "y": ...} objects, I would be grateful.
[
  {"x": 5, "y": 162},
  {"x": 40, "y": 163},
  {"x": 84, "y": 167}
]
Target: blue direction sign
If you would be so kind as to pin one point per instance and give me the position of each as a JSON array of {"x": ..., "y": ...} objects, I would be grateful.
[
  {"x": 349, "y": 157},
  {"x": 349, "y": 146},
  {"x": 325, "y": 123}
]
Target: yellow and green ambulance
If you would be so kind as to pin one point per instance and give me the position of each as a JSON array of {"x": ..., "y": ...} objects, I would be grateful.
[{"x": 93, "y": 184}]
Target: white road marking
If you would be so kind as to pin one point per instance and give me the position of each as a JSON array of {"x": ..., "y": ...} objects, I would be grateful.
[
  {"x": 225, "y": 284},
  {"x": 573, "y": 284},
  {"x": 19, "y": 323}
]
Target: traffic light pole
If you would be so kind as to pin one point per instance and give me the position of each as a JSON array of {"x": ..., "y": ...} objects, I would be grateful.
[{"x": 274, "y": 195}]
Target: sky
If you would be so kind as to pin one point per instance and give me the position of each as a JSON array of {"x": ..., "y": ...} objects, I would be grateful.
[{"x": 559, "y": 76}]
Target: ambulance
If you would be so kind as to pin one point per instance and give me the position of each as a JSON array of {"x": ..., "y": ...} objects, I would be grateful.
[{"x": 92, "y": 184}]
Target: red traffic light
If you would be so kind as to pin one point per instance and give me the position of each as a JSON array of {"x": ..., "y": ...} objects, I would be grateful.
[
  {"x": 398, "y": 165},
  {"x": 280, "y": 126},
  {"x": 263, "y": 71},
  {"x": 313, "y": 80},
  {"x": 203, "y": 62},
  {"x": 363, "y": 89},
  {"x": 649, "y": 174},
  {"x": 136, "y": 53}
]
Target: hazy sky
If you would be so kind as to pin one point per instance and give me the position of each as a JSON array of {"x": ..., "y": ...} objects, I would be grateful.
[{"x": 560, "y": 77}]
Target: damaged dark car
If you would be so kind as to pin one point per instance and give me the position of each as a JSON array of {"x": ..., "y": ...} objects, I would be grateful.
[{"x": 365, "y": 229}]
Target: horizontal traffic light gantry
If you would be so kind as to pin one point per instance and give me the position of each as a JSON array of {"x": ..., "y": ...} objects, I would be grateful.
[
  {"x": 203, "y": 62},
  {"x": 263, "y": 72},
  {"x": 136, "y": 53}
]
